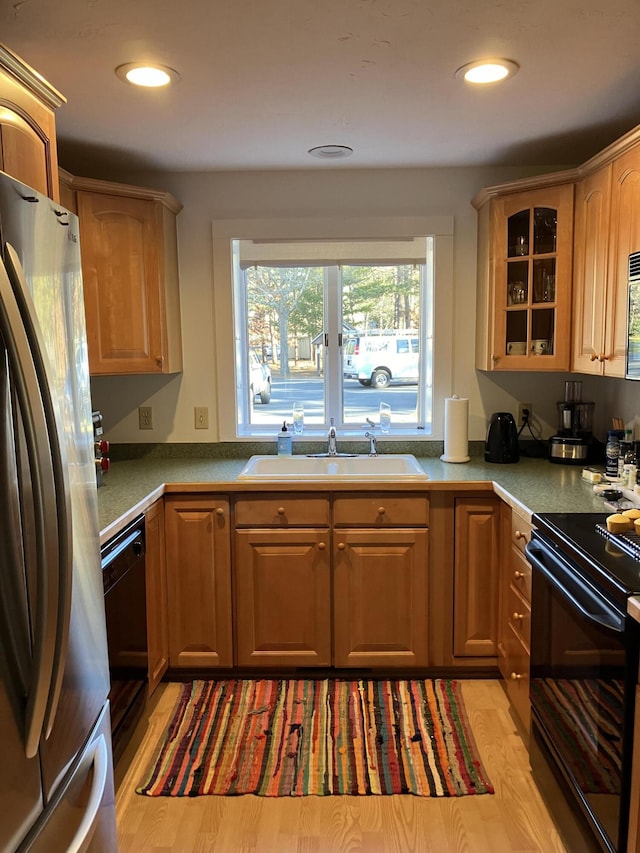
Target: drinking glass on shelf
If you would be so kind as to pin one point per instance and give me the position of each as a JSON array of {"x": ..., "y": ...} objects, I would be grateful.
[
  {"x": 548, "y": 287},
  {"x": 298, "y": 418},
  {"x": 385, "y": 417}
]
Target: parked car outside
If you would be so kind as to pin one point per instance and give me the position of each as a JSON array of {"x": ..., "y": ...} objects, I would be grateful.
[
  {"x": 259, "y": 378},
  {"x": 374, "y": 360}
]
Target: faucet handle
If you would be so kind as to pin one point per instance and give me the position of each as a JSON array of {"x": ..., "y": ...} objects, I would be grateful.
[
  {"x": 372, "y": 443},
  {"x": 331, "y": 421},
  {"x": 371, "y": 423}
]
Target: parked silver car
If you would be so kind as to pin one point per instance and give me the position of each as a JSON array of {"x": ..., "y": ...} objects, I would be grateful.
[{"x": 259, "y": 378}]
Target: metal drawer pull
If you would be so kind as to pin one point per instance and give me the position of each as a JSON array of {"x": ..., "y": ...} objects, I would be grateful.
[
  {"x": 518, "y": 617},
  {"x": 519, "y": 535},
  {"x": 516, "y": 676},
  {"x": 518, "y": 575}
]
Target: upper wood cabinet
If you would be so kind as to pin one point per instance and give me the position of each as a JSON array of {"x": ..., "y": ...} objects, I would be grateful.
[
  {"x": 624, "y": 237},
  {"x": 524, "y": 285},
  {"x": 27, "y": 125},
  {"x": 129, "y": 251},
  {"x": 598, "y": 333}
]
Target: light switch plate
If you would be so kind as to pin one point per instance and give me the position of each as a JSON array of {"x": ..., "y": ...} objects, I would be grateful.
[{"x": 201, "y": 416}]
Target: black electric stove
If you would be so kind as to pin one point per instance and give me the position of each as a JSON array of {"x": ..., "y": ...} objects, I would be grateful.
[
  {"x": 611, "y": 562},
  {"x": 585, "y": 646}
]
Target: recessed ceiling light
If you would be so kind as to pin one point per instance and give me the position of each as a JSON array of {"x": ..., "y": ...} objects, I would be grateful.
[
  {"x": 149, "y": 76},
  {"x": 330, "y": 152},
  {"x": 487, "y": 70}
]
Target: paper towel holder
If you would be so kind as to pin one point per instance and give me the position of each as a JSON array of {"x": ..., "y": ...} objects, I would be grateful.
[{"x": 456, "y": 426}]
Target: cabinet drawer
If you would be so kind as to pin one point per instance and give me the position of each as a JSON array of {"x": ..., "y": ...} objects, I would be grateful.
[
  {"x": 283, "y": 510},
  {"x": 517, "y": 679},
  {"x": 520, "y": 531},
  {"x": 520, "y": 575},
  {"x": 519, "y": 616},
  {"x": 383, "y": 510}
]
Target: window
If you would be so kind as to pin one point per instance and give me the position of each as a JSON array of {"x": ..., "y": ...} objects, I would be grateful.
[
  {"x": 304, "y": 242},
  {"x": 337, "y": 326}
]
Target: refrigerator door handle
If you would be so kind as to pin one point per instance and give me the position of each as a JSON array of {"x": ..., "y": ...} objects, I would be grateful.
[
  {"x": 34, "y": 420},
  {"x": 61, "y": 497},
  {"x": 98, "y": 755}
]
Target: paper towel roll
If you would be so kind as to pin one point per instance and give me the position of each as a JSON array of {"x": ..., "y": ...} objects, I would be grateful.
[{"x": 456, "y": 429}]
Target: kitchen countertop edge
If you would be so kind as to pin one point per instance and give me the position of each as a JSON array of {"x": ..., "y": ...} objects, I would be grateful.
[{"x": 530, "y": 486}]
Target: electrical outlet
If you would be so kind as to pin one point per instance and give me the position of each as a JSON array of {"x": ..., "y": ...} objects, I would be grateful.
[
  {"x": 521, "y": 409},
  {"x": 145, "y": 417},
  {"x": 201, "y": 417}
]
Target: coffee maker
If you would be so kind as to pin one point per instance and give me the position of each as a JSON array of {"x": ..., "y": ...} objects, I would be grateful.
[{"x": 572, "y": 443}]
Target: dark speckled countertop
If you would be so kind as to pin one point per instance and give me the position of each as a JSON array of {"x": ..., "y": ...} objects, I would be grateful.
[{"x": 531, "y": 485}]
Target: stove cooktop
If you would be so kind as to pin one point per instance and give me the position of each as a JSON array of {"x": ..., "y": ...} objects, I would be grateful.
[{"x": 612, "y": 562}]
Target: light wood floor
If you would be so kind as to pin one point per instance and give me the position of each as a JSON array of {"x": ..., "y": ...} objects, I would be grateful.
[{"x": 514, "y": 819}]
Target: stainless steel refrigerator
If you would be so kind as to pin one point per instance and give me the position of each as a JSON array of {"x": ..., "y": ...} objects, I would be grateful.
[{"x": 56, "y": 775}]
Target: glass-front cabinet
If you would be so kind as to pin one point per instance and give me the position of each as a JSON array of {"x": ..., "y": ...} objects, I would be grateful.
[{"x": 528, "y": 312}]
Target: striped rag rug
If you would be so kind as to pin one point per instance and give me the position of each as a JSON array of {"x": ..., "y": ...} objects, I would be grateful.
[{"x": 280, "y": 738}]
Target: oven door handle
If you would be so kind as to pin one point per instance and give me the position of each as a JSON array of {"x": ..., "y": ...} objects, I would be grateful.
[{"x": 581, "y": 597}]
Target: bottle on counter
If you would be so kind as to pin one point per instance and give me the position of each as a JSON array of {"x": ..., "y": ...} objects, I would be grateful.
[
  {"x": 285, "y": 441},
  {"x": 612, "y": 453},
  {"x": 624, "y": 447},
  {"x": 630, "y": 469}
]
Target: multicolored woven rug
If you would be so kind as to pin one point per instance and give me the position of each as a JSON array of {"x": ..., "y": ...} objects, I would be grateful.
[{"x": 299, "y": 737}]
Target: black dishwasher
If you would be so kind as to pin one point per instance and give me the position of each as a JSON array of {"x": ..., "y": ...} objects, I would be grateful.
[{"x": 123, "y": 575}]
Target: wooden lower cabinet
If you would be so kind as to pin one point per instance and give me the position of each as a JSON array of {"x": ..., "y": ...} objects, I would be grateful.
[
  {"x": 282, "y": 589},
  {"x": 198, "y": 550},
  {"x": 156, "y": 595},
  {"x": 515, "y": 614},
  {"x": 380, "y": 598},
  {"x": 476, "y": 577},
  {"x": 633, "y": 841}
]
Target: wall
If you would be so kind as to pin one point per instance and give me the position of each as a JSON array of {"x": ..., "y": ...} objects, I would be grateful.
[{"x": 322, "y": 192}]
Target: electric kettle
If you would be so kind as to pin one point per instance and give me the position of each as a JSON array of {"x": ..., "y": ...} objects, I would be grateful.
[{"x": 502, "y": 439}]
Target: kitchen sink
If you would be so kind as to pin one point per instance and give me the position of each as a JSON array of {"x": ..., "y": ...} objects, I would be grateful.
[{"x": 384, "y": 467}]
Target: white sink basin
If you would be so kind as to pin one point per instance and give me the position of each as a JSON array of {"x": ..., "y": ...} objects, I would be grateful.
[{"x": 384, "y": 467}]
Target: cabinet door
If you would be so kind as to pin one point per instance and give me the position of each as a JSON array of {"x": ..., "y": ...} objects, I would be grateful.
[
  {"x": 24, "y": 153},
  {"x": 633, "y": 842},
  {"x": 121, "y": 265},
  {"x": 282, "y": 597},
  {"x": 591, "y": 246},
  {"x": 624, "y": 239},
  {"x": 380, "y": 598},
  {"x": 476, "y": 577},
  {"x": 156, "y": 592},
  {"x": 198, "y": 552},
  {"x": 531, "y": 260},
  {"x": 27, "y": 127}
]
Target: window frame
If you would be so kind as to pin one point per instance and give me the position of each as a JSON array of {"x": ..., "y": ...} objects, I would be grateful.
[{"x": 224, "y": 232}]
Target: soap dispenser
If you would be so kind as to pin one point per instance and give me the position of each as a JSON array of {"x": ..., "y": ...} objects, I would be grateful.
[{"x": 284, "y": 441}]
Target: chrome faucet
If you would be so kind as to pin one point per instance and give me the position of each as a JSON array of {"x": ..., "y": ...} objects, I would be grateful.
[
  {"x": 332, "y": 448},
  {"x": 372, "y": 445}
]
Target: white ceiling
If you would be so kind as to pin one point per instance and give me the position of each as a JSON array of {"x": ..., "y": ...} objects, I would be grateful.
[{"x": 265, "y": 80}]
